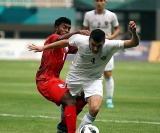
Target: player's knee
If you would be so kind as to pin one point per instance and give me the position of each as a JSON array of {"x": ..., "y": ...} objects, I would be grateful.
[
  {"x": 107, "y": 74},
  {"x": 79, "y": 105},
  {"x": 70, "y": 102},
  {"x": 67, "y": 99},
  {"x": 94, "y": 109}
]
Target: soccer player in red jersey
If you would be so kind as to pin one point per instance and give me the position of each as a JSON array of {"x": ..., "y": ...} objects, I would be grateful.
[{"x": 47, "y": 78}]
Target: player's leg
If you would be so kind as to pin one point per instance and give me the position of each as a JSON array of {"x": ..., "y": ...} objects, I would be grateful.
[
  {"x": 93, "y": 95},
  {"x": 59, "y": 94},
  {"x": 62, "y": 126},
  {"x": 80, "y": 104},
  {"x": 109, "y": 82},
  {"x": 94, "y": 103},
  {"x": 69, "y": 112},
  {"x": 109, "y": 88}
]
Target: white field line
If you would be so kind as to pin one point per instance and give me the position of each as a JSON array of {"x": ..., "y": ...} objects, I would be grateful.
[{"x": 100, "y": 120}]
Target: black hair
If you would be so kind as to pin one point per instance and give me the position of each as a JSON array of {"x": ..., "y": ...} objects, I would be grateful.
[
  {"x": 61, "y": 20},
  {"x": 97, "y": 35}
]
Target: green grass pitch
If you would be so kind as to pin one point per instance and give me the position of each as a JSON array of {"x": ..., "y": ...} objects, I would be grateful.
[{"x": 136, "y": 99}]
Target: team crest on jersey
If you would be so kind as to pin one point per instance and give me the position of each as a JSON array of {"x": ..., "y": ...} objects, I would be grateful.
[
  {"x": 103, "y": 57},
  {"x": 106, "y": 22},
  {"x": 61, "y": 85}
]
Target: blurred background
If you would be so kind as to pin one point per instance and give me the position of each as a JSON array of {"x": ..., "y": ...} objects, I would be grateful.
[{"x": 33, "y": 21}]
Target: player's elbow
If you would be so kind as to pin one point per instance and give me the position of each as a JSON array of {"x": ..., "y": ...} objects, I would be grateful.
[{"x": 65, "y": 43}]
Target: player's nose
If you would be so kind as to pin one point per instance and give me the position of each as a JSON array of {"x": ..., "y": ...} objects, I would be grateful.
[
  {"x": 67, "y": 30},
  {"x": 95, "y": 49}
]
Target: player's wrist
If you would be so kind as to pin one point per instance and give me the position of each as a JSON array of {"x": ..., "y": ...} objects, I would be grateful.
[{"x": 78, "y": 32}]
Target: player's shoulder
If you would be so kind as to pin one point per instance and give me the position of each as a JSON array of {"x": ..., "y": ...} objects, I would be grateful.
[
  {"x": 108, "y": 12},
  {"x": 90, "y": 12},
  {"x": 52, "y": 38},
  {"x": 79, "y": 38},
  {"x": 113, "y": 43},
  {"x": 53, "y": 35}
]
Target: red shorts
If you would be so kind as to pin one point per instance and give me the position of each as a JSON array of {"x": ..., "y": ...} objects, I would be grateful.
[{"x": 52, "y": 89}]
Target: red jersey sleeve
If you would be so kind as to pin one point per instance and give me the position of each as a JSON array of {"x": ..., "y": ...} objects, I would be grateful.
[{"x": 52, "y": 38}]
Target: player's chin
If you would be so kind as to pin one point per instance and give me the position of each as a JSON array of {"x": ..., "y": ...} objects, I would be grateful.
[
  {"x": 64, "y": 33},
  {"x": 94, "y": 52}
]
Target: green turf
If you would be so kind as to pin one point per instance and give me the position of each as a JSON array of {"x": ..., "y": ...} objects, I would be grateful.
[{"x": 136, "y": 99}]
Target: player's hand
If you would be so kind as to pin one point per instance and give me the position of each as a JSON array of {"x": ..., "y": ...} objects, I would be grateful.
[
  {"x": 84, "y": 32},
  {"x": 109, "y": 37},
  {"x": 132, "y": 26},
  {"x": 35, "y": 48}
]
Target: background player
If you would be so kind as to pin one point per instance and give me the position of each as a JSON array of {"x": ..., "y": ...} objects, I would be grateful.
[{"x": 107, "y": 21}]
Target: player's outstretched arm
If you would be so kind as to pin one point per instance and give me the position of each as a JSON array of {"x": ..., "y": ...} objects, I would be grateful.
[
  {"x": 134, "y": 41},
  {"x": 68, "y": 35},
  {"x": 115, "y": 33},
  {"x": 55, "y": 45}
]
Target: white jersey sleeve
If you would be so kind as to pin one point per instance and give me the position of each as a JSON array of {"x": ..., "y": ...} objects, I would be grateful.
[
  {"x": 74, "y": 40},
  {"x": 114, "y": 45},
  {"x": 86, "y": 19},
  {"x": 78, "y": 40},
  {"x": 115, "y": 22}
]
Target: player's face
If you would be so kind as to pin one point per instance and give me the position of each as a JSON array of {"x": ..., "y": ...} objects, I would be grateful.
[
  {"x": 95, "y": 46},
  {"x": 63, "y": 29},
  {"x": 100, "y": 4}
]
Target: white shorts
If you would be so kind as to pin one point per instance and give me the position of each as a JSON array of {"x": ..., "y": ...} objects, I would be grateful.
[
  {"x": 94, "y": 87},
  {"x": 110, "y": 65}
]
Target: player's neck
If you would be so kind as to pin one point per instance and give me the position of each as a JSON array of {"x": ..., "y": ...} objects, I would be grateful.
[{"x": 100, "y": 11}]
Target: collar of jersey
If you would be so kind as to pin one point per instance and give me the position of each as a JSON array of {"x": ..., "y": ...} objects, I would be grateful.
[{"x": 99, "y": 14}]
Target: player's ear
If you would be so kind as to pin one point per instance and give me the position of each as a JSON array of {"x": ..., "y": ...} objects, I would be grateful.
[{"x": 55, "y": 27}]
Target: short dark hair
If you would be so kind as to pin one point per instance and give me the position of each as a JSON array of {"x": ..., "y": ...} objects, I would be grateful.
[
  {"x": 97, "y": 35},
  {"x": 61, "y": 20}
]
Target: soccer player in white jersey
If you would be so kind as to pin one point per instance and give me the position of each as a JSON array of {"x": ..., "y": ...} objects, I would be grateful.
[
  {"x": 86, "y": 70},
  {"x": 108, "y": 22}
]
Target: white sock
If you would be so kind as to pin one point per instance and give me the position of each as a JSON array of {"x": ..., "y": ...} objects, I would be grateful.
[
  {"x": 87, "y": 119},
  {"x": 109, "y": 88}
]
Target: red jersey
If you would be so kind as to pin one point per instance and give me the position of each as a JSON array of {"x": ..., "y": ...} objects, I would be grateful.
[{"x": 52, "y": 60}]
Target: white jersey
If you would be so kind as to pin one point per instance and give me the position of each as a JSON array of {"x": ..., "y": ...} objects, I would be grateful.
[
  {"x": 105, "y": 21},
  {"x": 87, "y": 66}
]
